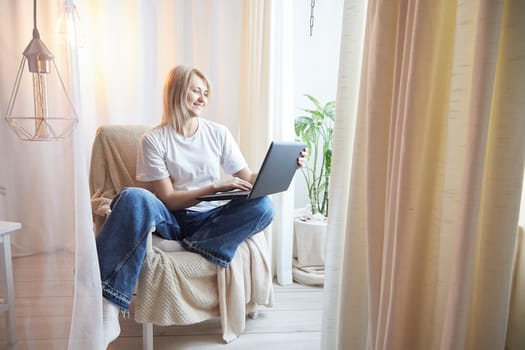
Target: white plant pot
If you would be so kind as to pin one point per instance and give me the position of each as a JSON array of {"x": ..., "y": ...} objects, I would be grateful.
[{"x": 310, "y": 238}]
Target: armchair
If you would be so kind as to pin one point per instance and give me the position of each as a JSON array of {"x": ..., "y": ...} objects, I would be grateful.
[{"x": 178, "y": 287}]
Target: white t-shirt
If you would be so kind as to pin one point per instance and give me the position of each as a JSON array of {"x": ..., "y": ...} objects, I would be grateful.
[{"x": 191, "y": 163}]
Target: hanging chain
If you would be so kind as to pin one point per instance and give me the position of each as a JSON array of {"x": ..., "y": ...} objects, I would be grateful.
[{"x": 312, "y": 5}]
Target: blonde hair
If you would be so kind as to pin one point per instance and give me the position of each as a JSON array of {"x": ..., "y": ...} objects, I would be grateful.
[{"x": 176, "y": 87}]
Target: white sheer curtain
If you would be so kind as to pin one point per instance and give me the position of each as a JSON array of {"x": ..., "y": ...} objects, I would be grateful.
[
  {"x": 267, "y": 108},
  {"x": 131, "y": 46},
  {"x": 43, "y": 163},
  {"x": 423, "y": 244},
  {"x": 350, "y": 70},
  {"x": 44, "y": 190}
]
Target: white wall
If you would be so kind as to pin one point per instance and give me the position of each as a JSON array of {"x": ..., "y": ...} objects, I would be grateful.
[{"x": 316, "y": 60}]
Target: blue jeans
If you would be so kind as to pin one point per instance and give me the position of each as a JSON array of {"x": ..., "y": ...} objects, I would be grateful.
[{"x": 214, "y": 234}]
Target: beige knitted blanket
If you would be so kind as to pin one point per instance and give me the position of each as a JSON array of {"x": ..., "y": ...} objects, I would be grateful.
[
  {"x": 179, "y": 288},
  {"x": 113, "y": 162},
  {"x": 183, "y": 288}
]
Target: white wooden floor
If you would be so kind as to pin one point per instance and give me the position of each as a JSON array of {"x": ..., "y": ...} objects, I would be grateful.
[{"x": 44, "y": 303}]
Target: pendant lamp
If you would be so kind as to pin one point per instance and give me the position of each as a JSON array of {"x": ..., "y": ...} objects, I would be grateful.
[{"x": 51, "y": 115}]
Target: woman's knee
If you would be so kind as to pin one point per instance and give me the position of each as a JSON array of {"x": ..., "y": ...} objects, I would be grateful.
[
  {"x": 265, "y": 207},
  {"x": 135, "y": 192},
  {"x": 134, "y": 195}
]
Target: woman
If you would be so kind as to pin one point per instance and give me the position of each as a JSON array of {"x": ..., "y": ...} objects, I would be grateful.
[{"x": 181, "y": 159}]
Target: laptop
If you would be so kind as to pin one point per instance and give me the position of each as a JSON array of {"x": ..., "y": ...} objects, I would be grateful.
[{"x": 275, "y": 174}]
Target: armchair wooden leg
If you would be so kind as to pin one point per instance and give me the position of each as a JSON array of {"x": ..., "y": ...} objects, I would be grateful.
[{"x": 147, "y": 336}]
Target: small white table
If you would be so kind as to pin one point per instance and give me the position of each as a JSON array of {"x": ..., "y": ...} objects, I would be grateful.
[{"x": 7, "y": 305}]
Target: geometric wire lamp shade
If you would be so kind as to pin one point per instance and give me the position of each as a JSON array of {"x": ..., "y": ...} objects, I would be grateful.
[{"x": 50, "y": 115}]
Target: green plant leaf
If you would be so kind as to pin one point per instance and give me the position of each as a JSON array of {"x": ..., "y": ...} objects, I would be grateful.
[{"x": 314, "y": 100}]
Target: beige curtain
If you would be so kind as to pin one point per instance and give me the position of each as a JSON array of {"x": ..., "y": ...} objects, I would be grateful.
[{"x": 422, "y": 248}]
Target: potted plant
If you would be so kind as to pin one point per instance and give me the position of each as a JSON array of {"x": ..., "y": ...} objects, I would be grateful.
[{"x": 315, "y": 128}]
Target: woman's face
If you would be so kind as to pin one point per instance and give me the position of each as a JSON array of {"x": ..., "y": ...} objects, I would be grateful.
[{"x": 196, "y": 96}]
